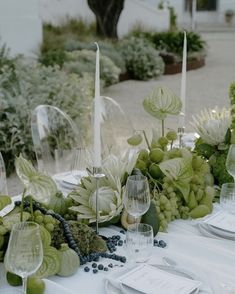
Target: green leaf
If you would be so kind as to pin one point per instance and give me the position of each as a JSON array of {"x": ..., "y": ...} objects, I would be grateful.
[
  {"x": 184, "y": 188},
  {"x": 40, "y": 186}
]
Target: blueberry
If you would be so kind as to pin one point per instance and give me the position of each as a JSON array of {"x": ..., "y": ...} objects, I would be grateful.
[
  {"x": 122, "y": 232},
  {"x": 162, "y": 243},
  {"x": 123, "y": 259},
  {"x": 95, "y": 271},
  {"x": 110, "y": 265},
  {"x": 94, "y": 265},
  {"x": 118, "y": 237},
  {"x": 106, "y": 269},
  {"x": 96, "y": 258},
  {"x": 100, "y": 267},
  {"x": 120, "y": 243},
  {"x": 86, "y": 269}
]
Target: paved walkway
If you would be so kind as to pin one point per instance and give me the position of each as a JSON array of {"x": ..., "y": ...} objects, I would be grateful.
[{"x": 206, "y": 87}]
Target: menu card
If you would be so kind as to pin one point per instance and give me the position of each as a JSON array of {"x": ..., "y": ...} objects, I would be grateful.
[
  {"x": 151, "y": 280},
  {"x": 222, "y": 220}
]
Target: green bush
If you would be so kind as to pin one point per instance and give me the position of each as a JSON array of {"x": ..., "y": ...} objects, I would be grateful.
[
  {"x": 172, "y": 41},
  {"x": 142, "y": 60},
  {"x": 25, "y": 86},
  {"x": 106, "y": 48},
  {"x": 84, "y": 61}
]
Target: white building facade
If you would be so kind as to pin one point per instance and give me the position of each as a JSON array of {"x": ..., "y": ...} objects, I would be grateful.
[{"x": 208, "y": 12}]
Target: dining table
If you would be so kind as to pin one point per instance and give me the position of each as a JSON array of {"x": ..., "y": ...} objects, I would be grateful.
[{"x": 207, "y": 258}]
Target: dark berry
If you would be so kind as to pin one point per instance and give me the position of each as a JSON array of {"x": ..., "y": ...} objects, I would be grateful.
[
  {"x": 94, "y": 265},
  {"x": 86, "y": 269},
  {"x": 123, "y": 259},
  {"x": 106, "y": 269},
  {"x": 110, "y": 265},
  {"x": 122, "y": 232},
  {"x": 120, "y": 243},
  {"x": 95, "y": 271},
  {"x": 100, "y": 267},
  {"x": 162, "y": 243}
]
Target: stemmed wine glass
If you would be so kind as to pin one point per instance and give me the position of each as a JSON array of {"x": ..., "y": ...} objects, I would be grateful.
[
  {"x": 137, "y": 196},
  {"x": 230, "y": 161},
  {"x": 24, "y": 254},
  {"x": 139, "y": 237}
]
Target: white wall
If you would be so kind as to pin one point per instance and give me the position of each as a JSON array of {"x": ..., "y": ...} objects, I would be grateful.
[
  {"x": 20, "y": 26},
  {"x": 21, "y": 20},
  {"x": 135, "y": 11},
  {"x": 141, "y": 12}
]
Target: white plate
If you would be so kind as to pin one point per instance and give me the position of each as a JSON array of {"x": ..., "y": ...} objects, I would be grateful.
[{"x": 213, "y": 232}]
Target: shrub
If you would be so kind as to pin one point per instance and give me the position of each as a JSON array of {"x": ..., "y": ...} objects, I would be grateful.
[
  {"x": 142, "y": 60},
  {"x": 106, "y": 48},
  {"x": 84, "y": 61},
  {"x": 173, "y": 41},
  {"x": 34, "y": 84}
]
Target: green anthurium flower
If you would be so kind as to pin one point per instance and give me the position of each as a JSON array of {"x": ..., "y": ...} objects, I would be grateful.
[
  {"x": 162, "y": 102},
  {"x": 38, "y": 185}
]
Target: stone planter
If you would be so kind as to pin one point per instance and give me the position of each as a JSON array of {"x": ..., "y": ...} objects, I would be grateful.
[{"x": 175, "y": 68}]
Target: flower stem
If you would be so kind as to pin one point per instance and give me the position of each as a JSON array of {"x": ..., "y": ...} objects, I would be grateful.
[
  {"x": 146, "y": 139},
  {"x": 163, "y": 127},
  {"x": 31, "y": 206},
  {"x": 22, "y": 205}
]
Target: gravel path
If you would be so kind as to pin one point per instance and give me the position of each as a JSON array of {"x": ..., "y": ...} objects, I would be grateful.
[{"x": 206, "y": 87}]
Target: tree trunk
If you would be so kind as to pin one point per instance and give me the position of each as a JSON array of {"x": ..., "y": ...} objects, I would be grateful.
[{"x": 107, "y": 14}]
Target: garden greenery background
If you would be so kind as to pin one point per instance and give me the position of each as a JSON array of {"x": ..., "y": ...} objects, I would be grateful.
[{"x": 63, "y": 75}]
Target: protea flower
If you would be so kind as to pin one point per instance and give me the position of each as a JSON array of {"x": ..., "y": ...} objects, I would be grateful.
[
  {"x": 110, "y": 196},
  {"x": 212, "y": 125}
]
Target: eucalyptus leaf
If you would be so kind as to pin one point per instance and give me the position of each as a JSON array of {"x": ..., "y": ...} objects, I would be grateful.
[{"x": 40, "y": 186}]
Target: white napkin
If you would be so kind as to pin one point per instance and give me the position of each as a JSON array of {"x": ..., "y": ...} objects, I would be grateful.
[{"x": 147, "y": 279}]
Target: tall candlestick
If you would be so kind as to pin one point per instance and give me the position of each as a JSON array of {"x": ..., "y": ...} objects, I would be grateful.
[
  {"x": 183, "y": 83},
  {"x": 97, "y": 112}
]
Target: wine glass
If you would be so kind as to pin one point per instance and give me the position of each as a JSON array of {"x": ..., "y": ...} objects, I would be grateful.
[
  {"x": 24, "y": 254},
  {"x": 137, "y": 196},
  {"x": 230, "y": 161}
]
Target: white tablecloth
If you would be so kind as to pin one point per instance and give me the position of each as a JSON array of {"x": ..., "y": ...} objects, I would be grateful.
[{"x": 212, "y": 260}]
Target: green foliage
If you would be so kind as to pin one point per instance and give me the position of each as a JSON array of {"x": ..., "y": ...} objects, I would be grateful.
[
  {"x": 85, "y": 237},
  {"x": 106, "y": 48},
  {"x": 217, "y": 162},
  {"x": 142, "y": 60},
  {"x": 54, "y": 37},
  {"x": 53, "y": 57},
  {"x": 83, "y": 61},
  {"x": 232, "y": 102},
  {"x": 23, "y": 86},
  {"x": 173, "y": 16},
  {"x": 173, "y": 41}
]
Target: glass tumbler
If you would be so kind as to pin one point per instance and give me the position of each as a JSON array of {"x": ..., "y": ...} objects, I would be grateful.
[
  {"x": 139, "y": 242},
  {"x": 227, "y": 197}
]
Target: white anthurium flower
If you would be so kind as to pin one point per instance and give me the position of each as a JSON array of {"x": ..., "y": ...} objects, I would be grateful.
[
  {"x": 161, "y": 102},
  {"x": 212, "y": 125},
  {"x": 110, "y": 193}
]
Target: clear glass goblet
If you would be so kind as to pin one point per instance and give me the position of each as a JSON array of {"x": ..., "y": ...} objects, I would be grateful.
[
  {"x": 24, "y": 254},
  {"x": 230, "y": 161},
  {"x": 137, "y": 196}
]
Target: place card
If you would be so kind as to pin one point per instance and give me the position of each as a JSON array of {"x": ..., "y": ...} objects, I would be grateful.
[
  {"x": 222, "y": 220},
  {"x": 151, "y": 280}
]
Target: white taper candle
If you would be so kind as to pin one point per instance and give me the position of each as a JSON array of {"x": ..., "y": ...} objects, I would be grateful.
[
  {"x": 183, "y": 83},
  {"x": 97, "y": 112}
]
